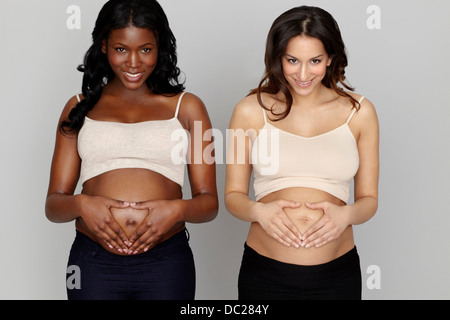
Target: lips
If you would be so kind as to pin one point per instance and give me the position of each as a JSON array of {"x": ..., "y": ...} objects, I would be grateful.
[
  {"x": 133, "y": 77},
  {"x": 304, "y": 84}
]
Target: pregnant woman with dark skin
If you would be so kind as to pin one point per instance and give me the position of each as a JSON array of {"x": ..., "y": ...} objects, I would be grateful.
[{"x": 119, "y": 139}]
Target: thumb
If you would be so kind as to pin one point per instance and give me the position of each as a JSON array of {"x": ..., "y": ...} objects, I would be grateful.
[
  {"x": 146, "y": 205},
  {"x": 316, "y": 205},
  {"x": 119, "y": 204},
  {"x": 289, "y": 204}
]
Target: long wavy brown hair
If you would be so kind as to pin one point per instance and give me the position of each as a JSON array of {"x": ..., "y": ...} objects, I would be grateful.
[{"x": 309, "y": 21}]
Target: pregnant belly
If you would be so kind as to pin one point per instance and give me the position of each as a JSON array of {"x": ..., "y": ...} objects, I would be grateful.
[
  {"x": 129, "y": 219},
  {"x": 131, "y": 185},
  {"x": 303, "y": 218}
]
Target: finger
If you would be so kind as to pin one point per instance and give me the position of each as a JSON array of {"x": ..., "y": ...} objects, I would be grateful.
[
  {"x": 313, "y": 232},
  {"x": 136, "y": 240},
  {"x": 284, "y": 229},
  {"x": 316, "y": 206},
  {"x": 289, "y": 204},
  {"x": 115, "y": 235},
  {"x": 294, "y": 234},
  {"x": 290, "y": 230},
  {"x": 119, "y": 204},
  {"x": 142, "y": 238},
  {"x": 145, "y": 245},
  {"x": 321, "y": 236},
  {"x": 288, "y": 237},
  {"x": 111, "y": 239},
  {"x": 141, "y": 205},
  {"x": 321, "y": 241},
  {"x": 280, "y": 239}
]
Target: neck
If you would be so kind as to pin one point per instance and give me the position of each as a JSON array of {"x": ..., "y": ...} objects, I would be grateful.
[
  {"x": 312, "y": 99},
  {"x": 116, "y": 88}
]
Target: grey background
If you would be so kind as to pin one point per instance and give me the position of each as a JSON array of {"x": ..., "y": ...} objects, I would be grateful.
[{"x": 402, "y": 68}]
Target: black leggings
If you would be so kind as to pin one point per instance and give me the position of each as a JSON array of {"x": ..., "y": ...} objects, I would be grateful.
[
  {"x": 165, "y": 272},
  {"x": 262, "y": 278}
]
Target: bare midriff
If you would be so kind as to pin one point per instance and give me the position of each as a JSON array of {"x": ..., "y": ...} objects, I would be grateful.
[
  {"x": 130, "y": 185},
  {"x": 303, "y": 218}
]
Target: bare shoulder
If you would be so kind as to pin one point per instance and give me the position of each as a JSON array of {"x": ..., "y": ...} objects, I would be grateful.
[
  {"x": 192, "y": 109},
  {"x": 71, "y": 103},
  {"x": 247, "y": 114},
  {"x": 366, "y": 118},
  {"x": 191, "y": 104},
  {"x": 367, "y": 111}
]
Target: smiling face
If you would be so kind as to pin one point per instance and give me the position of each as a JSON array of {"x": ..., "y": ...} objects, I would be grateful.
[
  {"x": 305, "y": 64},
  {"x": 132, "y": 54}
]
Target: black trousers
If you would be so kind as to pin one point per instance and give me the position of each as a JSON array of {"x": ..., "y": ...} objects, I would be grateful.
[
  {"x": 262, "y": 278},
  {"x": 165, "y": 272}
]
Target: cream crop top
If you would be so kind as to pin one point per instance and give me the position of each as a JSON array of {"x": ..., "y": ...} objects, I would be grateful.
[
  {"x": 326, "y": 162},
  {"x": 156, "y": 145}
]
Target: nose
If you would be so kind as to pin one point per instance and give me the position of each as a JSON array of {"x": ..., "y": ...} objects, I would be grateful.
[
  {"x": 303, "y": 72},
  {"x": 133, "y": 60}
]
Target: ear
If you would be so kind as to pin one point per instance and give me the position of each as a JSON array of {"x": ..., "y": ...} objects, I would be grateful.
[
  {"x": 330, "y": 60},
  {"x": 104, "y": 46}
]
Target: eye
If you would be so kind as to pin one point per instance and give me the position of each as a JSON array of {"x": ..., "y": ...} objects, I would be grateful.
[
  {"x": 316, "y": 61},
  {"x": 147, "y": 50},
  {"x": 292, "y": 60},
  {"x": 121, "y": 50}
]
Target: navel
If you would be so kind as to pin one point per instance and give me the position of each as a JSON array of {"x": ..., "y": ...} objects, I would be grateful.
[{"x": 131, "y": 222}]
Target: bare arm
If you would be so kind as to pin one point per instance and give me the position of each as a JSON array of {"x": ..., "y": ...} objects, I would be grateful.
[
  {"x": 366, "y": 179},
  {"x": 63, "y": 206},
  {"x": 246, "y": 119},
  {"x": 336, "y": 218},
  {"x": 203, "y": 206}
]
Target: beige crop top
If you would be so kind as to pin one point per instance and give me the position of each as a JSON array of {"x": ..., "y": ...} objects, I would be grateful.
[
  {"x": 157, "y": 145},
  {"x": 326, "y": 162}
]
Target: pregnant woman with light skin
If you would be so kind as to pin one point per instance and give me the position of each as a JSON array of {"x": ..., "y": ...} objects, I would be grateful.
[{"x": 300, "y": 244}]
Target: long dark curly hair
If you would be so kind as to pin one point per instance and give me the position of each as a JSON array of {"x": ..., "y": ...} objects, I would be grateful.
[
  {"x": 310, "y": 21},
  {"x": 118, "y": 14}
]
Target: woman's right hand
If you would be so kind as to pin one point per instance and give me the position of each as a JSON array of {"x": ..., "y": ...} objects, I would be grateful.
[
  {"x": 96, "y": 214},
  {"x": 275, "y": 222}
]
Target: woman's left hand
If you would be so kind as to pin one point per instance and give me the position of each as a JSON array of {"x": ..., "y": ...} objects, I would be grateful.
[
  {"x": 329, "y": 227},
  {"x": 162, "y": 217}
]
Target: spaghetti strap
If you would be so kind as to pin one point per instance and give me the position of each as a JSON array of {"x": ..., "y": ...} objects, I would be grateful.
[
  {"x": 351, "y": 115},
  {"x": 78, "y": 98},
  {"x": 179, "y": 104},
  {"x": 264, "y": 115},
  {"x": 354, "y": 110}
]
